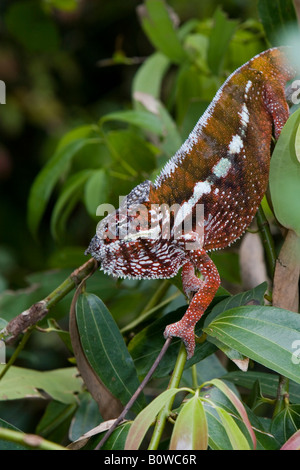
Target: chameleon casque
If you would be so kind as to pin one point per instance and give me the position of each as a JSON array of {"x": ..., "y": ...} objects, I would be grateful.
[{"x": 223, "y": 165}]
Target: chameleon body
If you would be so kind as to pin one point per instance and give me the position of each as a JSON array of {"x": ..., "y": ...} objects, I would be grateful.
[{"x": 223, "y": 165}]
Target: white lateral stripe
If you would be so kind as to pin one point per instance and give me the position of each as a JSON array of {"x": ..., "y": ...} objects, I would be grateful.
[
  {"x": 236, "y": 144},
  {"x": 202, "y": 187},
  {"x": 222, "y": 167}
]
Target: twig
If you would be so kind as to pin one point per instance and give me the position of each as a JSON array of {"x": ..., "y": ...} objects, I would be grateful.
[
  {"x": 17, "y": 351},
  {"x": 40, "y": 309},
  {"x": 29, "y": 440},
  {"x": 282, "y": 398},
  {"x": 136, "y": 393}
]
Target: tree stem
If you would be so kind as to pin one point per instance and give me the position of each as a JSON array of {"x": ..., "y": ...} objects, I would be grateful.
[
  {"x": 29, "y": 440},
  {"x": 165, "y": 412},
  {"x": 267, "y": 240}
]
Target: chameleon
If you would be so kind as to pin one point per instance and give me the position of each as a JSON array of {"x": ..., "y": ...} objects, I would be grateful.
[{"x": 223, "y": 167}]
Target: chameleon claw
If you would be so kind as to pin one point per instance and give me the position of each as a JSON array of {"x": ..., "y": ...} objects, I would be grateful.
[{"x": 186, "y": 334}]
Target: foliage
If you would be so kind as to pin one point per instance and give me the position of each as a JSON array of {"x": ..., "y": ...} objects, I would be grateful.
[{"x": 241, "y": 390}]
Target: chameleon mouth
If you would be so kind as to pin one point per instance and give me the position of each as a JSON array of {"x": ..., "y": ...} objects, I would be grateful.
[{"x": 94, "y": 246}]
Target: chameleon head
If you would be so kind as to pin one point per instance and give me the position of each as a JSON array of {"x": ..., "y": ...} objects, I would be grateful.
[{"x": 129, "y": 243}]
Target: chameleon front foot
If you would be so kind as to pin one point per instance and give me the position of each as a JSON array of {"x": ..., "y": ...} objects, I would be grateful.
[{"x": 186, "y": 334}]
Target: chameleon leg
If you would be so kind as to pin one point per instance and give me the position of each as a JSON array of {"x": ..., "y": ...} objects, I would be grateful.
[{"x": 206, "y": 289}]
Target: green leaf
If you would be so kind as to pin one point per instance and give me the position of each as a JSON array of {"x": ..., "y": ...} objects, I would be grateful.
[
  {"x": 44, "y": 183},
  {"x": 255, "y": 295},
  {"x": 131, "y": 151},
  {"x": 217, "y": 437},
  {"x": 268, "y": 383},
  {"x": 236, "y": 437},
  {"x": 60, "y": 384},
  {"x": 142, "y": 119},
  {"x": 55, "y": 422},
  {"x": 68, "y": 198},
  {"x": 264, "y": 334},
  {"x": 96, "y": 191},
  {"x": 146, "y": 417},
  {"x": 105, "y": 349},
  {"x": 187, "y": 91},
  {"x": 158, "y": 26},
  {"x": 219, "y": 40},
  {"x": 87, "y": 416},
  {"x": 297, "y": 143},
  {"x": 286, "y": 423},
  {"x": 285, "y": 176},
  {"x": 118, "y": 438},
  {"x": 190, "y": 431},
  {"x": 276, "y": 16},
  {"x": 232, "y": 397},
  {"x": 149, "y": 77}
]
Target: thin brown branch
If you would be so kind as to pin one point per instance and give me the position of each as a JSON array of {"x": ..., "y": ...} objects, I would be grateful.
[
  {"x": 39, "y": 310},
  {"x": 136, "y": 393}
]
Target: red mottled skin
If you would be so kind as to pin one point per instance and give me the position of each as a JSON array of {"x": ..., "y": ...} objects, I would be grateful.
[{"x": 224, "y": 165}]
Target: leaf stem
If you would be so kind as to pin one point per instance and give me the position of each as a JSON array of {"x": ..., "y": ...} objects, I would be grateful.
[
  {"x": 165, "y": 412},
  {"x": 267, "y": 240},
  {"x": 282, "y": 398},
  {"x": 29, "y": 440}
]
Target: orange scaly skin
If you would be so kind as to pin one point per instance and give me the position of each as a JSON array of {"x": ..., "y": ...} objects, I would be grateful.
[{"x": 224, "y": 165}]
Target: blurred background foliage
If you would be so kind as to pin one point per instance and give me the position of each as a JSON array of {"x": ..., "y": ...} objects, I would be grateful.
[
  {"x": 55, "y": 58},
  {"x": 67, "y": 65}
]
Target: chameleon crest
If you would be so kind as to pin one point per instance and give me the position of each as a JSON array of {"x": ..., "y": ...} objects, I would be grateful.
[{"x": 222, "y": 167}]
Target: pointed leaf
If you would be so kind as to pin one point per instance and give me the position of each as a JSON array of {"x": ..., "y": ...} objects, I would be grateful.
[
  {"x": 264, "y": 334},
  {"x": 236, "y": 403},
  {"x": 236, "y": 437},
  {"x": 285, "y": 176},
  {"x": 286, "y": 423},
  {"x": 142, "y": 119},
  {"x": 297, "y": 144},
  {"x": 96, "y": 191},
  {"x": 105, "y": 349},
  {"x": 71, "y": 192},
  {"x": 60, "y": 384},
  {"x": 190, "y": 431},
  {"x": 219, "y": 40},
  {"x": 158, "y": 26},
  {"x": 148, "y": 78},
  {"x": 268, "y": 383},
  {"x": 48, "y": 177}
]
